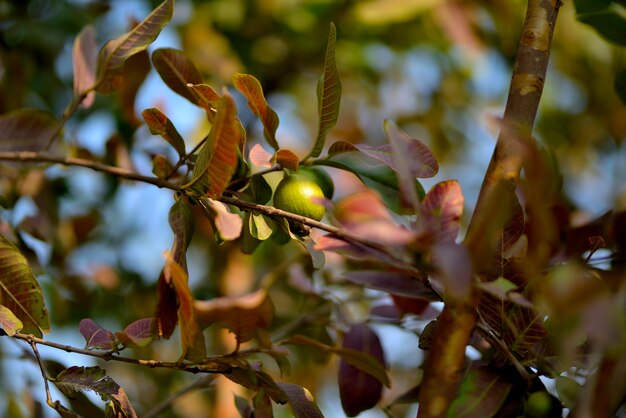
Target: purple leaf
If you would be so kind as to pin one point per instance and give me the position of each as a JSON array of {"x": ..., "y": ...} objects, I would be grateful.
[
  {"x": 396, "y": 283},
  {"x": 138, "y": 334},
  {"x": 96, "y": 336},
  {"x": 301, "y": 401},
  {"x": 441, "y": 212}
]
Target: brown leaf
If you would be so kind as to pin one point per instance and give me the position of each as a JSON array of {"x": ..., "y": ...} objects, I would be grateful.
[
  {"x": 242, "y": 315},
  {"x": 177, "y": 71},
  {"x": 301, "y": 401},
  {"x": 287, "y": 159},
  {"x": 26, "y": 130},
  {"x": 159, "y": 124}
]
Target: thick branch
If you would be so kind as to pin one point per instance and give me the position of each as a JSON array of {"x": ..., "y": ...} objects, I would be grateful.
[{"x": 458, "y": 319}]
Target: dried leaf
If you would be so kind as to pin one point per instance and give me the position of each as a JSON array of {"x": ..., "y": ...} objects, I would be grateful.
[
  {"x": 218, "y": 157},
  {"x": 9, "y": 322},
  {"x": 328, "y": 95},
  {"x": 228, "y": 224},
  {"x": 96, "y": 336},
  {"x": 481, "y": 394},
  {"x": 287, "y": 159},
  {"x": 84, "y": 60},
  {"x": 138, "y": 334},
  {"x": 115, "y": 52},
  {"x": 242, "y": 315},
  {"x": 301, "y": 401},
  {"x": 26, "y": 130},
  {"x": 359, "y": 390},
  {"x": 251, "y": 89},
  {"x": 395, "y": 283},
  {"x": 441, "y": 212},
  {"x": 177, "y": 71},
  {"x": 159, "y": 124},
  {"x": 19, "y": 290}
]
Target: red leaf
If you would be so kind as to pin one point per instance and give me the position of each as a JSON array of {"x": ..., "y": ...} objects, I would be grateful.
[
  {"x": 441, "y": 212},
  {"x": 138, "y": 334},
  {"x": 359, "y": 390},
  {"x": 177, "y": 71},
  {"x": 252, "y": 90},
  {"x": 287, "y": 159},
  {"x": 84, "y": 57},
  {"x": 96, "y": 336},
  {"x": 159, "y": 124},
  {"x": 260, "y": 157}
]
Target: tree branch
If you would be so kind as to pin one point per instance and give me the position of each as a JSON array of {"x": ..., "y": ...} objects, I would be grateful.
[{"x": 458, "y": 319}]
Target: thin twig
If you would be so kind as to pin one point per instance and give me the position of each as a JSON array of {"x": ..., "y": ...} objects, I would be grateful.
[
  {"x": 44, "y": 375},
  {"x": 243, "y": 180},
  {"x": 183, "y": 160}
]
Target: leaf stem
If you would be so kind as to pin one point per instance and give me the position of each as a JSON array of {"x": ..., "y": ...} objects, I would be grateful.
[{"x": 183, "y": 160}]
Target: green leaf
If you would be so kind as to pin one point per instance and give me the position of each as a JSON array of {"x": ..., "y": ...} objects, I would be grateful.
[
  {"x": 84, "y": 57},
  {"x": 328, "y": 95},
  {"x": 249, "y": 243},
  {"x": 481, "y": 394},
  {"x": 610, "y": 23},
  {"x": 9, "y": 322},
  {"x": 301, "y": 401},
  {"x": 159, "y": 124},
  {"x": 177, "y": 71},
  {"x": 588, "y": 6},
  {"x": 26, "y": 130},
  {"x": 259, "y": 190},
  {"x": 19, "y": 290},
  {"x": 620, "y": 85},
  {"x": 569, "y": 391},
  {"x": 260, "y": 227},
  {"x": 251, "y": 89},
  {"x": 317, "y": 256},
  {"x": 115, "y": 52},
  {"x": 181, "y": 222},
  {"x": 218, "y": 157}
]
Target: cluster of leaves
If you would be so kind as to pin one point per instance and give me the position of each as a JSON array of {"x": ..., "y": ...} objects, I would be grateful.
[{"x": 397, "y": 239}]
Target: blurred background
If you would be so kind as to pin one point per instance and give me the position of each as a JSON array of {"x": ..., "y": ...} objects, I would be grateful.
[{"x": 439, "y": 68}]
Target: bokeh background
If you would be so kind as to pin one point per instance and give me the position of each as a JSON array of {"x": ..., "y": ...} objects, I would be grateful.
[{"x": 439, "y": 68}]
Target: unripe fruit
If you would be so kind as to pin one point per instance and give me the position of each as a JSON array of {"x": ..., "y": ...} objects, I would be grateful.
[
  {"x": 320, "y": 177},
  {"x": 295, "y": 194}
]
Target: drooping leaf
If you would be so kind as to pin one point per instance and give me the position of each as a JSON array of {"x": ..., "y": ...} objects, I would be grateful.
[
  {"x": 410, "y": 159},
  {"x": 192, "y": 340},
  {"x": 26, "y": 130},
  {"x": 358, "y": 390},
  {"x": 609, "y": 23},
  {"x": 19, "y": 290},
  {"x": 251, "y": 377},
  {"x": 569, "y": 390},
  {"x": 440, "y": 213},
  {"x": 84, "y": 56},
  {"x": 249, "y": 243},
  {"x": 328, "y": 95},
  {"x": 454, "y": 268},
  {"x": 218, "y": 157},
  {"x": 114, "y": 53},
  {"x": 228, "y": 224},
  {"x": 395, "y": 283},
  {"x": 138, "y": 334},
  {"x": 9, "y": 322},
  {"x": 287, "y": 159},
  {"x": 251, "y": 89},
  {"x": 317, "y": 256},
  {"x": 260, "y": 157},
  {"x": 242, "y": 315},
  {"x": 481, "y": 394},
  {"x": 159, "y": 124},
  {"x": 366, "y": 362},
  {"x": 96, "y": 336},
  {"x": 76, "y": 379},
  {"x": 301, "y": 401},
  {"x": 177, "y": 71},
  {"x": 134, "y": 72}
]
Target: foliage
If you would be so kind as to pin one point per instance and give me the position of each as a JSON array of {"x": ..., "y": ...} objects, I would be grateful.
[{"x": 263, "y": 297}]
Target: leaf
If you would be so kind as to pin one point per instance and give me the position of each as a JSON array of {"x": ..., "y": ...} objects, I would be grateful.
[
  {"x": 260, "y": 226},
  {"x": 259, "y": 190},
  {"x": 115, "y": 52},
  {"x": 524, "y": 329},
  {"x": 262, "y": 405},
  {"x": 191, "y": 338},
  {"x": 228, "y": 224},
  {"x": 481, "y": 394},
  {"x": 96, "y": 336},
  {"x": 260, "y": 157},
  {"x": 206, "y": 97},
  {"x": 609, "y": 23},
  {"x": 159, "y": 124},
  {"x": 318, "y": 259},
  {"x": 84, "y": 59},
  {"x": 410, "y": 159},
  {"x": 247, "y": 376},
  {"x": 242, "y": 315},
  {"x": 177, "y": 71},
  {"x": 138, "y": 334},
  {"x": 26, "y": 130},
  {"x": 218, "y": 157},
  {"x": 251, "y": 89},
  {"x": 301, "y": 401},
  {"x": 514, "y": 226},
  {"x": 243, "y": 407},
  {"x": 620, "y": 85},
  {"x": 569, "y": 391},
  {"x": 328, "y": 95},
  {"x": 134, "y": 73},
  {"x": 287, "y": 159},
  {"x": 359, "y": 390},
  {"x": 395, "y": 283},
  {"x": 76, "y": 379},
  {"x": 454, "y": 268},
  {"x": 19, "y": 290},
  {"x": 440, "y": 213},
  {"x": 9, "y": 322}
]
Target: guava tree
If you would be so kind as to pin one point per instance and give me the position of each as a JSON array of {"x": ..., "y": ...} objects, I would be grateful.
[{"x": 516, "y": 313}]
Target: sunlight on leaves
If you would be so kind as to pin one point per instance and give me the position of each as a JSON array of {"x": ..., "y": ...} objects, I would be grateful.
[{"x": 9, "y": 322}]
